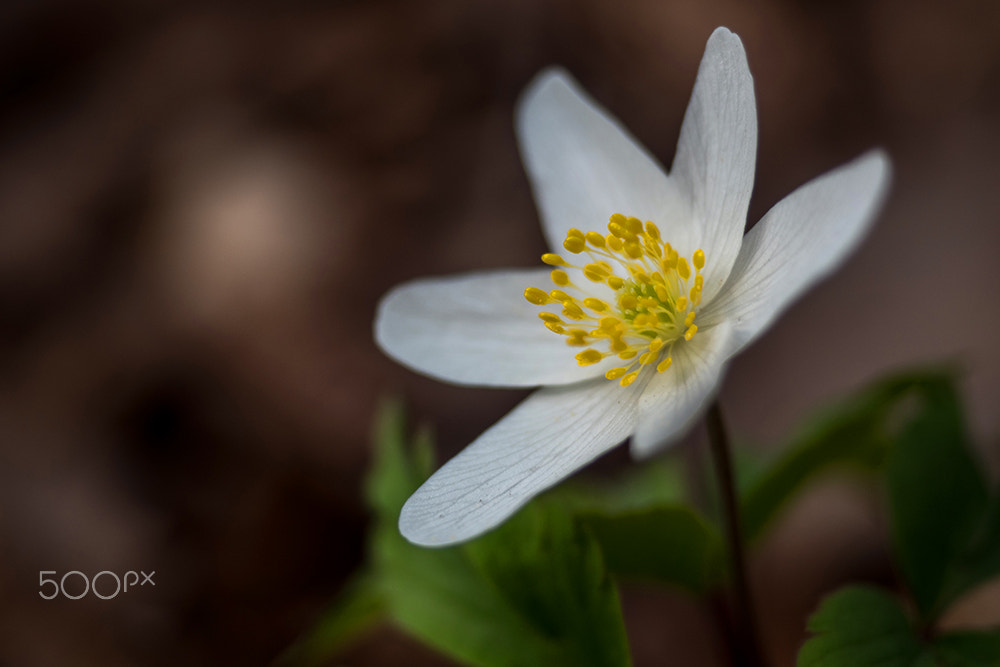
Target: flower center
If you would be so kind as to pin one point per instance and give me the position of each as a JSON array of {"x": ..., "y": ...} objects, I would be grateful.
[{"x": 650, "y": 307}]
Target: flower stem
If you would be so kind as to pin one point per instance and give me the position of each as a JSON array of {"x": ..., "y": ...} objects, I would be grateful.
[{"x": 748, "y": 651}]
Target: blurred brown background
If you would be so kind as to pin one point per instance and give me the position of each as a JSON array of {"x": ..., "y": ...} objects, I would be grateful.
[{"x": 200, "y": 205}]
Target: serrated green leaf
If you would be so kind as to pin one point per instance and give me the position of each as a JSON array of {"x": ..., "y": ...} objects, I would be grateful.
[
  {"x": 553, "y": 572},
  {"x": 862, "y": 626},
  {"x": 856, "y": 433},
  {"x": 938, "y": 498},
  {"x": 535, "y": 591}
]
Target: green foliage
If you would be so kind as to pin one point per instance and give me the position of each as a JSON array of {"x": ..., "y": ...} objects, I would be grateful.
[
  {"x": 535, "y": 591},
  {"x": 939, "y": 501},
  {"x": 671, "y": 544},
  {"x": 860, "y": 626},
  {"x": 539, "y": 589},
  {"x": 858, "y": 433}
]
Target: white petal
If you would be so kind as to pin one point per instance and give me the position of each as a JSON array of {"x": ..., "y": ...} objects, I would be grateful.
[
  {"x": 551, "y": 434},
  {"x": 477, "y": 329},
  {"x": 582, "y": 164},
  {"x": 716, "y": 156},
  {"x": 802, "y": 239},
  {"x": 675, "y": 399}
]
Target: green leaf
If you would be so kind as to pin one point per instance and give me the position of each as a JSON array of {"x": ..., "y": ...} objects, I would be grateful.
[
  {"x": 938, "y": 498},
  {"x": 968, "y": 649},
  {"x": 861, "y": 626},
  {"x": 535, "y": 591},
  {"x": 856, "y": 433},
  {"x": 672, "y": 545},
  {"x": 980, "y": 559},
  {"x": 552, "y": 571}
]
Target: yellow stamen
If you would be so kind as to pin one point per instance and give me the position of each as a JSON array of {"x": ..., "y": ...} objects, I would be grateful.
[
  {"x": 536, "y": 296},
  {"x": 559, "y": 277},
  {"x": 588, "y": 357},
  {"x": 698, "y": 259},
  {"x": 657, "y": 293},
  {"x": 683, "y": 270},
  {"x": 629, "y": 379},
  {"x": 616, "y": 373}
]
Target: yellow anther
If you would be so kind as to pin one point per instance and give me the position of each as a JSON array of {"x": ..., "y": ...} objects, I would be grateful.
[
  {"x": 573, "y": 311},
  {"x": 574, "y": 233},
  {"x": 691, "y": 331},
  {"x": 588, "y": 357},
  {"x": 595, "y": 304},
  {"x": 627, "y": 302},
  {"x": 616, "y": 373},
  {"x": 549, "y": 317},
  {"x": 555, "y": 327},
  {"x": 683, "y": 270},
  {"x": 629, "y": 379},
  {"x": 618, "y": 230},
  {"x": 618, "y": 219},
  {"x": 664, "y": 365},
  {"x": 699, "y": 281},
  {"x": 614, "y": 242},
  {"x": 615, "y": 283},
  {"x": 618, "y": 345},
  {"x": 577, "y": 338},
  {"x": 656, "y": 345},
  {"x": 648, "y": 358},
  {"x": 625, "y": 355},
  {"x": 598, "y": 269},
  {"x": 575, "y": 244},
  {"x": 559, "y": 277},
  {"x": 653, "y": 248},
  {"x": 633, "y": 250},
  {"x": 698, "y": 259},
  {"x": 596, "y": 239},
  {"x": 536, "y": 296},
  {"x": 658, "y": 278},
  {"x": 560, "y": 296},
  {"x": 553, "y": 259},
  {"x": 689, "y": 320},
  {"x": 695, "y": 294},
  {"x": 681, "y": 304},
  {"x": 653, "y": 231},
  {"x": 634, "y": 225}
]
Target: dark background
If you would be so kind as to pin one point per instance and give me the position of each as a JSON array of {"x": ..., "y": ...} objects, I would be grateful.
[{"x": 200, "y": 205}]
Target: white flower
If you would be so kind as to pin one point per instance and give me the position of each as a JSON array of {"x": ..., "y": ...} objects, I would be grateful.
[{"x": 651, "y": 312}]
